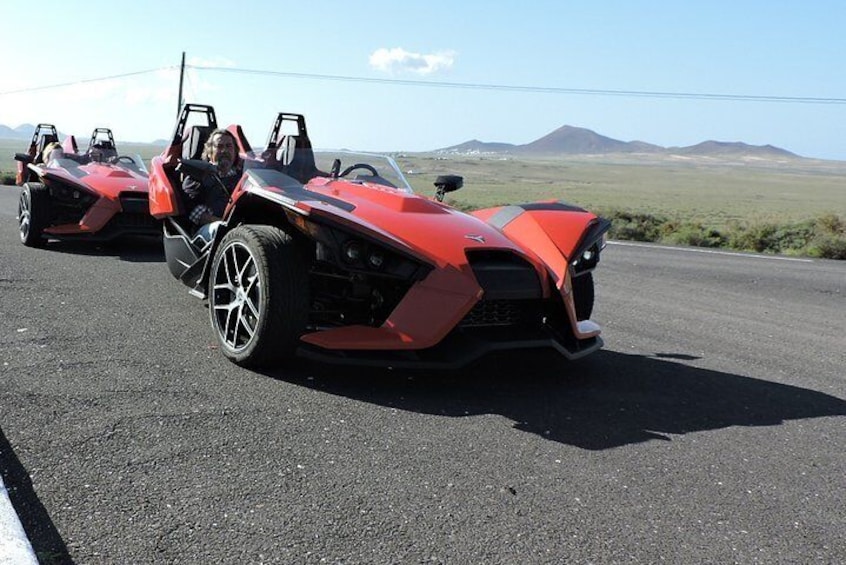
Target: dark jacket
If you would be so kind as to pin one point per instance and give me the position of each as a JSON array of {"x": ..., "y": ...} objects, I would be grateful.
[{"x": 209, "y": 192}]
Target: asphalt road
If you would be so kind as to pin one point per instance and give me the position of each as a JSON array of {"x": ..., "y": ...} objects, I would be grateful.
[{"x": 709, "y": 430}]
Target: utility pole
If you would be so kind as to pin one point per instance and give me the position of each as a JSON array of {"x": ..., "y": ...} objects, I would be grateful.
[{"x": 181, "y": 77}]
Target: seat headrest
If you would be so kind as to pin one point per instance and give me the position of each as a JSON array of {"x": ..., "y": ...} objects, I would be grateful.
[
  {"x": 240, "y": 137},
  {"x": 192, "y": 145},
  {"x": 47, "y": 139},
  {"x": 285, "y": 150}
]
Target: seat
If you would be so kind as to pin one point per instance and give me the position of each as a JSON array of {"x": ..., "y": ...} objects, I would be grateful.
[
  {"x": 193, "y": 143},
  {"x": 45, "y": 140},
  {"x": 286, "y": 147},
  {"x": 241, "y": 139},
  {"x": 70, "y": 145},
  {"x": 107, "y": 150},
  {"x": 102, "y": 151},
  {"x": 295, "y": 158}
]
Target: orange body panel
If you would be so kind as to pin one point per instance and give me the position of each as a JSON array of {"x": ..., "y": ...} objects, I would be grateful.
[
  {"x": 163, "y": 199},
  {"x": 440, "y": 235},
  {"x": 106, "y": 182}
]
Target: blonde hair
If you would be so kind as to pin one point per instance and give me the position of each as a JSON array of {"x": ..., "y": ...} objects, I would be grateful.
[{"x": 48, "y": 150}]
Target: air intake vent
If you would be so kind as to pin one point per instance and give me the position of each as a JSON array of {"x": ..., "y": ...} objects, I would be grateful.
[{"x": 504, "y": 275}]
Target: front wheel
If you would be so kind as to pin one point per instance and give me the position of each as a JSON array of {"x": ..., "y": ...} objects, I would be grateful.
[
  {"x": 258, "y": 298},
  {"x": 33, "y": 213}
]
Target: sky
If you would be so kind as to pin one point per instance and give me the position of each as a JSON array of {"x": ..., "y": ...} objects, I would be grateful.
[{"x": 417, "y": 76}]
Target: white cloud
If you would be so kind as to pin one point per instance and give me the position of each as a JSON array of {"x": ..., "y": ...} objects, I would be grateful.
[{"x": 398, "y": 59}]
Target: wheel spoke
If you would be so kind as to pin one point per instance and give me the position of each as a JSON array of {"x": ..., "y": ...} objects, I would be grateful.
[
  {"x": 244, "y": 322},
  {"x": 230, "y": 333},
  {"x": 251, "y": 305},
  {"x": 247, "y": 264},
  {"x": 236, "y": 288},
  {"x": 252, "y": 284},
  {"x": 229, "y": 255},
  {"x": 24, "y": 213}
]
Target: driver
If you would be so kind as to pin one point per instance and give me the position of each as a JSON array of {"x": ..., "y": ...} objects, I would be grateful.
[{"x": 207, "y": 199}]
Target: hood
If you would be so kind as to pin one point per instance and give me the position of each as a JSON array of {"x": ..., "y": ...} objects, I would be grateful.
[
  {"x": 424, "y": 226},
  {"x": 102, "y": 179}
]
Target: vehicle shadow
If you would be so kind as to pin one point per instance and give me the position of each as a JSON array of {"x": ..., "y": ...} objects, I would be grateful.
[
  {"x": 604, "y": 401},
  {"x": 46, "y": 542},
  {"x": 130, "y": 249}
]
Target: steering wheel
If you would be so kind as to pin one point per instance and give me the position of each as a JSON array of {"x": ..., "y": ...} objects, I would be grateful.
[
  {"x": 364, "y": 166},
  {"x": 128, "y": 159}
]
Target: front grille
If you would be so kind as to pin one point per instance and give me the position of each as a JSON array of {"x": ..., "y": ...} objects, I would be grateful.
[
  {"x": 134, "y": 220},
  {"x": 488, "y": 313}
]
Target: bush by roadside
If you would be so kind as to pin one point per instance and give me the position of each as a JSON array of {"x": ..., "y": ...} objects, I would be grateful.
[{"x": 823, "y": 237}]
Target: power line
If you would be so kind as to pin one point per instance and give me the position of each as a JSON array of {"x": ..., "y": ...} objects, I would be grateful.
[
  {"x": 471, "y": 86},
  {"x": 82, "y": 81},
  {"x": 539, "y": 89}
]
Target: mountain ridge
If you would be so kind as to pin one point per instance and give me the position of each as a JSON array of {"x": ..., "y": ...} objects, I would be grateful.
[
  {"x": 566, "y": 140},
  {"x": 572, "y": 140}
]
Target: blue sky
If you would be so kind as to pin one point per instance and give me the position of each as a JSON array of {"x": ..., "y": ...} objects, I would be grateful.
[{"x": 747, "y": 48}]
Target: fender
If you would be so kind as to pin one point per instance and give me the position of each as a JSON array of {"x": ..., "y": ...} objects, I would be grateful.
[{"x": 558, "y": 232}]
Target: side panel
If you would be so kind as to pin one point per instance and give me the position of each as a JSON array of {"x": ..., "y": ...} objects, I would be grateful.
[
  {"x": 23, "y": 173},
  {"x": 164, "y": 200}
]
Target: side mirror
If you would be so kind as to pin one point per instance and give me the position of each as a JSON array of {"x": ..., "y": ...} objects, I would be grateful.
[
  {"x": 196, "y": 168},
  {"x": 24, "y": 158},
  {"x": 447, "y": 183}
]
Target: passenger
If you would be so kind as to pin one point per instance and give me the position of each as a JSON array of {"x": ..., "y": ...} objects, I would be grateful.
[
  {"x": 207, "y": 199},
  {"x": 52, "y": 150}
]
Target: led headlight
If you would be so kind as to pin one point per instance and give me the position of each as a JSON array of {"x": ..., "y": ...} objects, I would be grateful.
[{"x": 352, "y": 251}]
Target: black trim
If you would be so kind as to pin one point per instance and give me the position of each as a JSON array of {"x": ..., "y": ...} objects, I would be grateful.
[
  {"x": 293, "y": 189},
  {"x": 455, "y": 351},
  {"x": 591, "y": 235},
  {"x": 559, "y": 206}
]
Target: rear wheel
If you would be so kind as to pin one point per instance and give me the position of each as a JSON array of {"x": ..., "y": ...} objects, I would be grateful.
[
  {"x": 33, "y": 213},
  {"x": 258, "y": 295},
  {"x": 583, "y": 295}
]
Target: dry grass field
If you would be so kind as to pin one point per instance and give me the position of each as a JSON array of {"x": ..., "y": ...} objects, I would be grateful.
[{"x": 705, "y": 190}]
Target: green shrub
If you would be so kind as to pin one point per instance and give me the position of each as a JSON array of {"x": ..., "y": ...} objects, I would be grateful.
[
  {"x": 695, "y": 235},
  {"x": 828, "y": 247},
  {"x": 634, "y": 226},
  {"x": 823, "y": 237},
  {"x": 831, "y": 223}
]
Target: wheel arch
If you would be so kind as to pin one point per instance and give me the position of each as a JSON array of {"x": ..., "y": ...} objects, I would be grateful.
[{"x": 251, "y": 208}]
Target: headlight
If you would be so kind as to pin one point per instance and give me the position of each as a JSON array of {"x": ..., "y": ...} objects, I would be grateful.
[
  {"x": 375, "y": 259},
  {"x": 588, "y": 259},
  {"x": 353, "y": 251}
]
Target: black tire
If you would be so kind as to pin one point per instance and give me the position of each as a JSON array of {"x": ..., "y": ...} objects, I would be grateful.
[
  {"x": 258, "y": 295},
  {"x": 33, "y": 214},
  {"x": 583, "y": 295}
]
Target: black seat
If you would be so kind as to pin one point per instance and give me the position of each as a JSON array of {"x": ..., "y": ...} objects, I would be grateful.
[
  {"x": 45, "y": 140},
  {"x": 295, "y": 158},
  {"x": 193, "y": 143},
  {"x": 102, "y": 151}
]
